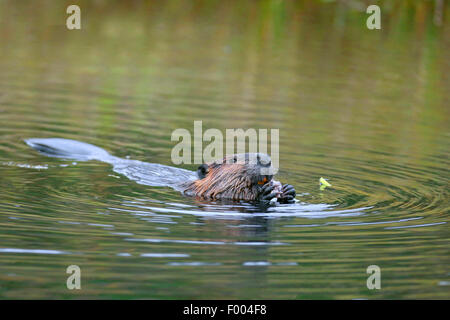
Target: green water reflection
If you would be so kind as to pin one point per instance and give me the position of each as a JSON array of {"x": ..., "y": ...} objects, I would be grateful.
[{"x": 366, "y": 109}]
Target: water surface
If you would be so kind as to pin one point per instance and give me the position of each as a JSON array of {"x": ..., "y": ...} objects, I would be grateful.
[{"x": 368, "y": 110}]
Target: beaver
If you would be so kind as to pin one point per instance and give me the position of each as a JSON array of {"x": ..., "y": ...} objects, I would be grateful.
[
  {"x": 239, "y": 177},
  {"x": 235, "y": 177}
]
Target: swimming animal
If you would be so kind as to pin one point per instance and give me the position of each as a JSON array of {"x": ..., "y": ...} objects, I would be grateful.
[{"x": 235, "y": 177}]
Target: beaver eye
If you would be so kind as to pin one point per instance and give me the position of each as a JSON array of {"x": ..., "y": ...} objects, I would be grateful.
[
  {"x": 234, "y": 159},
  {"x": 202, "y": 171}
]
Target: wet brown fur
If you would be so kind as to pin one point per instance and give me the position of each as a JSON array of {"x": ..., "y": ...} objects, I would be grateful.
[{"x": 228, "y": 180}]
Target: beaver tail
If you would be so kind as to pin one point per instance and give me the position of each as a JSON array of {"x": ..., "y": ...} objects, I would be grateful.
[{"x": 69, "y": 149}]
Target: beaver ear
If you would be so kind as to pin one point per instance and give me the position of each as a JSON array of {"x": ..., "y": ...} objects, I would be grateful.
[{"x": 202, "y": 171}]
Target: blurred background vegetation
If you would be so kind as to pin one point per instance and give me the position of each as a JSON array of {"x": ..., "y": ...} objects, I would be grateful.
[{"x": 296, "y": 62}]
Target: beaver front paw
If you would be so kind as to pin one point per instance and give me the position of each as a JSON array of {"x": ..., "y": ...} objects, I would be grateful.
[
  {"x": 287, "y": 194},
  {"x": 267, "y": 193}
]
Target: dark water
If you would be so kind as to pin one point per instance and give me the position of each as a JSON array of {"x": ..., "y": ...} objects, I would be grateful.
[{"x": 368, "y": 110}]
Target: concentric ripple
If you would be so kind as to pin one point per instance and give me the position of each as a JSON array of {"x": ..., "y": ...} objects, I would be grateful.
[{"x": 366, "y": 112}]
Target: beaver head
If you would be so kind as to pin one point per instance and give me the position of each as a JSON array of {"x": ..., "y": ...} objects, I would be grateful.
[{"x": 235, "y": 177}]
